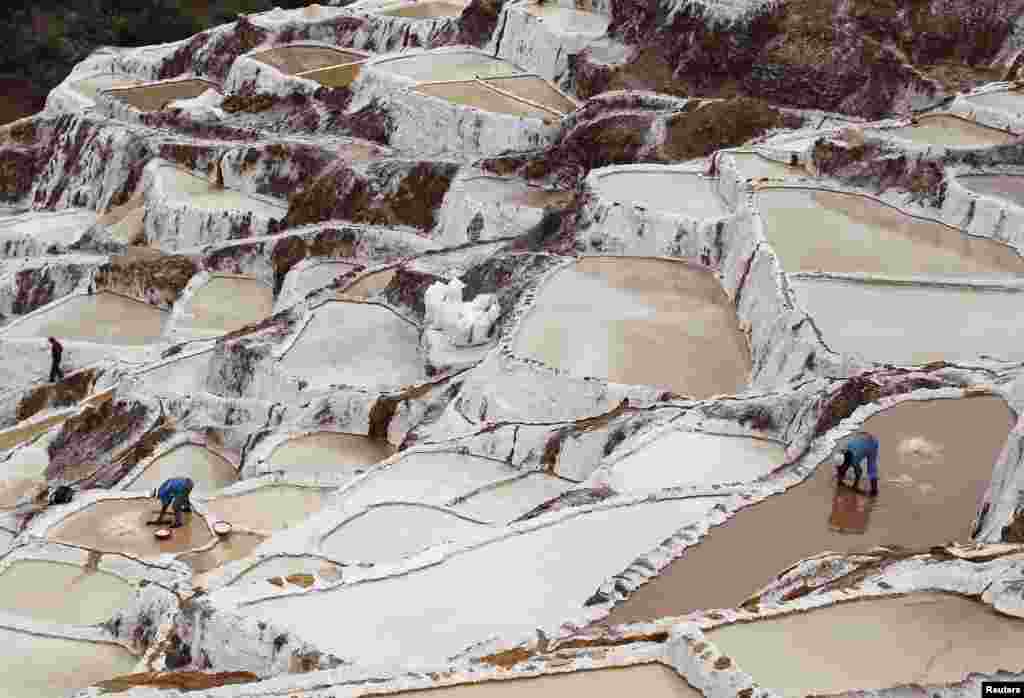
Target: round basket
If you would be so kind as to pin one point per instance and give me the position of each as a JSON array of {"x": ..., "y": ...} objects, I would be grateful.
[
  {"x": 222, "y": 528},
  {"x": 162, "y": 533}
]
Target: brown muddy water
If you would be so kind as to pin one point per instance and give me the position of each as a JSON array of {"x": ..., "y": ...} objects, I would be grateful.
[
  {"x": 235, "y": 546},
  {"x": 535, "y": 89},
  {"x": 103, "y": 318},
  {"x": 639, "y": 321},
  {"x": 649, "y": 680},
  {"x": 17, "y": 435},
  {"x": 814, "y": 230},
  {"x": 62, "y": 593},
  {"x": 153, "y": 97},
  {"x": 929, "y": 639},
  {"x": 327, "y": 452},
  {"x": 473, "y": 94},
  {"x": 227, "y": 303},
  {"x": 296, "y": 59},
  {"x": 949, "y": 131},
  {"x": 1007, "y": 187},
  {"x": 208, "y": 470},
  {"x": 119, "y": 526},
  {"x": 426, "y": 10},
  {"x": 36, "y": 666},
  {"x": 268, "y": 508},
  {"x": 935, "y": 461}
]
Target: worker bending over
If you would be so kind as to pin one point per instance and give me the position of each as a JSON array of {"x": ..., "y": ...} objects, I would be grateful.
[
  {"x": 175, "y": 490},
  {"x": 862, "y": 445}
]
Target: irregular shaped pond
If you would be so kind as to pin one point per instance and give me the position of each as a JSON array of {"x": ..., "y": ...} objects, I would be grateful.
[
  {"x": 510, "y": 500},
  {"x": 932, "y": 478},
  {"x": 519, "y": 583},
  {"x": 926, "y": 639},
  {"x": 208, "y": 470},
  {"x": 639, "y": 321},
  {"x": 356, "y": 344},
  {"x": 565, "y": 20},
  {"x": 328, "y": 452},
  {"x": 225, "y": 304},
  {"x": 390, "y": 532},
  {"x": 1011, "y": 101},
  {"x": 269, "y": 508},
  {"x": 62, "y": 593},
  {"x": 425, "y": 9},
  {"x": 653, "y": 680},
  {"x": 663, "y": 189},
  {"x": 691, "y": 458},
  {"x": 1009, "y": 187},
  {"x": 119, "y": 526},
  {"x": 198, "y": 191},
  {"x": 950, "y": 132},
  {"x": 453, "y": 65},
  {"x": 155, "y": 96},
  {"x": 754, "y": 166},
  {"x": 36, "y": 666},
  {"x": 104, "y": 318},
  {"x": 536, "y": 89},
  {"x": 897, "y": 323},
  {"x": 296, "y": 59},
  {"x": 814, "y": 230}
]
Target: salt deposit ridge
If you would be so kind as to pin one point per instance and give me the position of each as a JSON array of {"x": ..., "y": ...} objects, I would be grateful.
[{"x": 510, "y": 371}]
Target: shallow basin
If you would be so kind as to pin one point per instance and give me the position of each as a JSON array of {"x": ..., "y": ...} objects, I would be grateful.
[
  {"x": 509, "y": 500},
  {"x": 228, "y": 549},
  {"x": 951, "y": 132},
  {"x": 425, "y": 9},
  {"x": 225, "y": 304},
  {"x": 639, "y": 321},
  {"x": 448, "y": 66},
  {"x": 535, "y": 89},
  {"x": 932, "y": 478},
  {"x": 296, "y": 59},
  {"x": 754, "y": 166},
  {"x": 328, "y": 452},
  {"x": 154, "y": 97},
  {"x": 208, "y": 470},
  {"x": 370, "y": 285},
  {"x": 57, "y": 592},
  {"x": 1009, "y": 187},
  {"x": 814, "y": 230},
  {"x": 91, "y": 87},
  {"x": 924, "y": 639},
  {"x": 268, "y": 508},
  {"x": 200, "y": 192},
  {"x": 663, "y": 190},
  {"x": 565, "y": 20},
  {"x": 479, "y": 96},
  {"x": 286, "y": 565},
  {"x": 315, "y": 277},
  {"x": 103, "y": 318}
]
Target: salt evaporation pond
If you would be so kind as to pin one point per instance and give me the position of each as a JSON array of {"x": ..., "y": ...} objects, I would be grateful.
[
  {"x": 910, "y": 324},
  {"x": 565, "y": 20},
  {"x": 651, "y": 680},
  {"x": 425, "y": 9},
  {"x": 536, "y": 89},
  {"x": 155, "y": 96},
  {"x": 329, "y": 452},
  {"x": 815, "y": 230},
  {"x": 356, "y": 344},
  {"x": 287, "y": 565},
  {"x": 1009, "y": 187},
  {"x": 926, "y": 639},
  {"x": 389, "y": 532},
  {"x": 663, "y": 189},
  {"x": 314, "y": 277},
  {"x": 297, "y": 59},
  {"x": 38, "y": 666},
  {"x": 755, "y": 166},
  {"x": 513, "y": 191},
  {"x": 103, "y": 318},
  {"x": 479, "y": 96},
  {"x": 950, "y": 132},
  {"x": 119, "y": 526},
  {"x": 9, "y": 438},
  {"x": 509, "y": 500},
  {"x": 185, "y": 187},
  {"x": 370, "y": 285},
  {"x": 47, "y": 228},
  {"x": 692, "y": 458},
  {"x": 58, "y": 592},
  {"x": 180, "y": 376},
  {"x": 639, "y": 321},
  {"x": 1011, "y": 101},
  {"x": 268, "y": 508},
  {"x": 225, "y": 304},
  {"x": 235, "y": 546},
  {"x": 91, "y": 87},
  {"x": 208, "y": 470},
  {"x": 935, "y": 461},
  {"x": 519, "y": 583},
  {"x": 445, "y": 65}
]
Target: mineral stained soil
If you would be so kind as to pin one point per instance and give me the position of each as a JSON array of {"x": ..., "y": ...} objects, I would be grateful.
[
  {"x": 935, "y": 461},
  {"x": 929, "y": 639}
]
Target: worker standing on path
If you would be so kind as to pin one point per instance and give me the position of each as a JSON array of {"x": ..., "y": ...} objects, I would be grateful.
[
  {"x": 861, "y": 446},
  {"x": 56, "y": 349},
  {"x": 176, "y": 490}
]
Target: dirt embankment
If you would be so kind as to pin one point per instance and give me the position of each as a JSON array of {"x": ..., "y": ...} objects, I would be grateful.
[
  {"x": 53, "y": 395},
  {"x": 331, "y": 243},
  {"x": 855, "y": 56},
  {"x": 158, "y": 281}
]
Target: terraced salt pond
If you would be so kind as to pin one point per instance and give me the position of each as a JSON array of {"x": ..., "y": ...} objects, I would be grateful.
[
  {"x": 941, "y": 638},
  {"x": 356, "y": 344},
  {"x": 911, "y": 324},
  {"x": 236, "y": 546},
  {"x": 370, "y": 285},
  {"x": 389, "y": 532},
  {"x": 39, "y": 666},
  {"x": 935, "y": 461},
  {"x": 57, "y": 592},
  {"x": 91, "y": 87},
  {"x": 754, "y": 166},
  {"x": 103, "y": 318},
  {"x": 662, "y": 189},
  {"x": 950, "y": 132},
  {"x": 287, "y": 565},
  {"x": 447, "y": 65},
  {"x": 565, "y": 20},
  {"x": 185, "y": 187},
  {"x": 119, "y": 526},
  {"x": 301, "y": 282},
  {"x": 270, "y": 508},
  {"x": 154, "y": 96},
  {"x": 225, "y": 304},
  {"x": 1008, "y": 187},
  {"x": 518, "y": 584},
  {"x": 1011, "y": 101},
  {"x": 291, "y": 60},
  {"x": 478, "y": 95},
  {"x": 639, "y": 321},
  {"x": 328, "y": 452},
  {"x": 684, "y": 458},
  {"x": 815, "y": 230},
  {"x": 535, "y": 89},
  {"x": 46, "y": 229},
  {"x": 510, "y": 500},
  {"x": 653, "y": 680},
  {"x": 208, "y": 470},
  {"x": 424, "y": 9}
]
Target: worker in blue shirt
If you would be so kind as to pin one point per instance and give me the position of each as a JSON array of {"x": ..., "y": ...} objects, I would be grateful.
[
  {"x": 862, "y": 445},
  {"x": 175, "y": 490}
]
